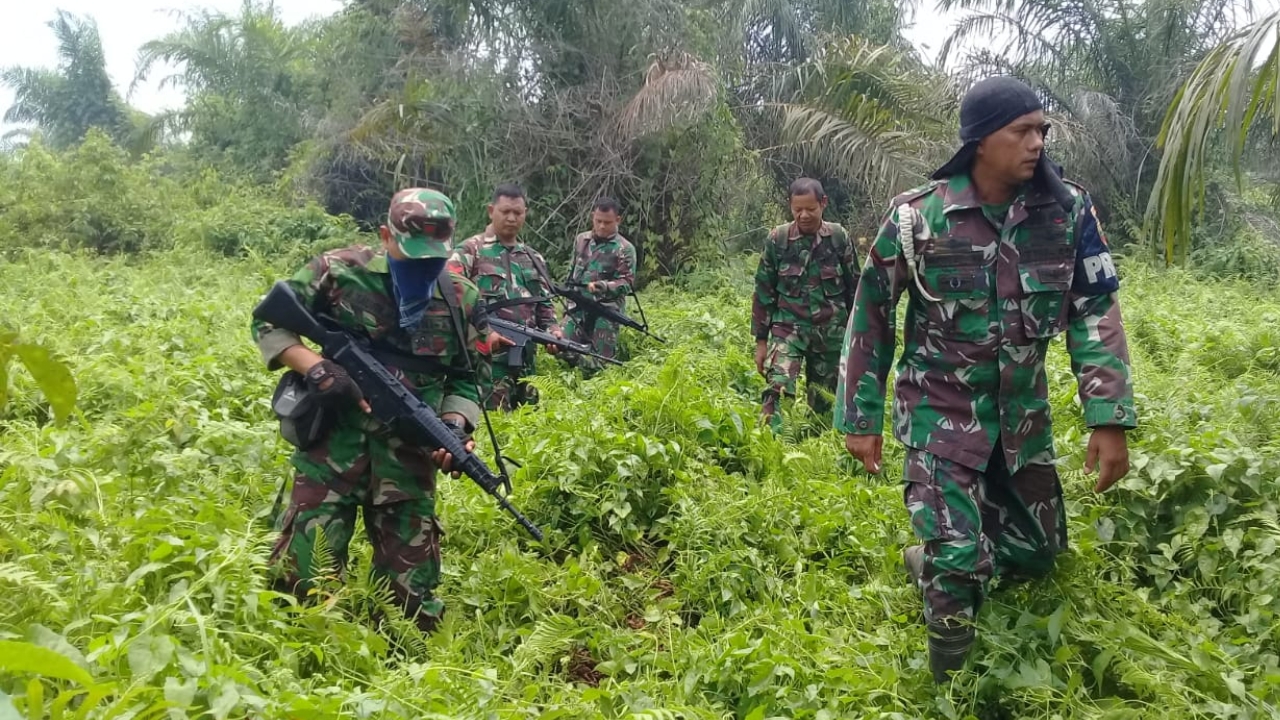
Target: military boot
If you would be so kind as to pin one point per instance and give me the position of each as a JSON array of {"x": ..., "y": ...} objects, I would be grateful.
[
  {"x": 949, "y": 643},
  {"x": 913, "y": 558}
]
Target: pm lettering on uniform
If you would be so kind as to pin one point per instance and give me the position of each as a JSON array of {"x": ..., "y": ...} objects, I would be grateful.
[{"x": 1099, "y": 267}]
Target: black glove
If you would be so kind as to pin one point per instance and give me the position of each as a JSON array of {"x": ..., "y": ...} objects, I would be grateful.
[{"x": 332, "y": 385}]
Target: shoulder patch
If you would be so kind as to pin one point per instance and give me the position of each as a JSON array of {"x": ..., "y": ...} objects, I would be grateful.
[
  {"x": 1095, "y": 272},
  {"x": 915, "y": 193}
]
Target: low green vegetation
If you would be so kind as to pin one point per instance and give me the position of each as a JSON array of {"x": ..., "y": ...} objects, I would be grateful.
[{"x": 696, "y": 566}]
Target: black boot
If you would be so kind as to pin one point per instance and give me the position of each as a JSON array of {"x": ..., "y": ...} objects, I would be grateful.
[{"x": 949, "y": 643}]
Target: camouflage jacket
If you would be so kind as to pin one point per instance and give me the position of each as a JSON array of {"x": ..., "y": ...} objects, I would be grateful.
[
  {"x": 507, "y": 274},
  {"x": 973, "y": 363},
  {"x": 804, "y": 279},
  {"x": 611, "y": 262},
  {"x": 353, "y": 285}
]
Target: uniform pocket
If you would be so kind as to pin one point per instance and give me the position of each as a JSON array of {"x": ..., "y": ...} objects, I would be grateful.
[
  {"x": 493, "y": 285},
  {"x": 434, "y": 336},
  {"x": 791, "y": 280},
  {"x": 832, "y": 281},
  {"x": 963, "y": 289},
  {"x": 1044, "y": 303}
]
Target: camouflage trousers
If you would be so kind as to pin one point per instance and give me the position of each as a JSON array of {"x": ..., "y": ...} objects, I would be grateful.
[
  {"x": 508, "y": 391},
  {"x": 976, "y": 525},
  {"x": 792, "y": 347},
  {"x": 602, "y": 336},
  {"x": 394, "y": 485}
]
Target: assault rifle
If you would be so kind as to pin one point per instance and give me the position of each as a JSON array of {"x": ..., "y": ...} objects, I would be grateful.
[
  {"x": 392, "y": 402},
  {"x": 522, "y": 334},
  {"x": 592, "y": 307}
]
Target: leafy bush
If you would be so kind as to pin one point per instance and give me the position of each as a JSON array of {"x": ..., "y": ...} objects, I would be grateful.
[
  {"x": 696, "y": 566},
  {"x": 94, "y": 197}
]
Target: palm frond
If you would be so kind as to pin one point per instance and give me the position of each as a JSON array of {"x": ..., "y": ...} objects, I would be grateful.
[
  {"x": 865, "y": 113},
  {"x": 1232, "y": 87},
  {"x": 678, "y": 89}
]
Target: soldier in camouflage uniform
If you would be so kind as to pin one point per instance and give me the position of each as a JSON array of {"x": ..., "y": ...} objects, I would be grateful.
[
  {"x": 804, "y": 288},
  {"x": 998, "y": 256},
  {"x": 393, "y": 296},
  {"x": 513, "y": 281},
  {"x": 603, "y": 265}
]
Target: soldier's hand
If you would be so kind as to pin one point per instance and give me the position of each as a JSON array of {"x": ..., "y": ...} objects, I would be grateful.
[
  {"x": 593, "y": 287},
  {"x": 867, "y": 449},
  {"x": 442, "y": 458},
  {"x": 557, "y": 333},
  {"x": 496, "y": 340},
  {"x": 1108, "y": 453},
  {"x": 333, "y": 385},
  {"x": 762, "y": 349}
]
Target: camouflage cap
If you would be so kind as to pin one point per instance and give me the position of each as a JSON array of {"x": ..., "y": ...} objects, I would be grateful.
[{"x": 421, "y": 223}]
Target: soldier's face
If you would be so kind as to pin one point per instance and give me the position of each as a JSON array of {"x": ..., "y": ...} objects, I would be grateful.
[
  {"x": 1012, "y": 152},
  {"x": 807, "y": 211},
  {"x": 604, "y": 223},
  {"x": 507, "y": 216}
]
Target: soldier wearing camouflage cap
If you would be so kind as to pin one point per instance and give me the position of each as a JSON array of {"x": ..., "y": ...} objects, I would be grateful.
[
  {"x": 998, "y": 256},
  {"x": 804, "y": 288},
  {"x": 425, "y": 326}
]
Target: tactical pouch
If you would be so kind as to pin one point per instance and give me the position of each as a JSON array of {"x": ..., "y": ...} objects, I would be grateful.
[{"x": 303, "y": 419}]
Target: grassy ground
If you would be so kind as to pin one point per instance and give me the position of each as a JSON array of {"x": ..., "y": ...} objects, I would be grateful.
[{"x": 695, "y": 566}]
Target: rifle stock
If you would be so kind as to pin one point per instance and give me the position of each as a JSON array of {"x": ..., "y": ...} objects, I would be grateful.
[{"x": 391, "y": 402}]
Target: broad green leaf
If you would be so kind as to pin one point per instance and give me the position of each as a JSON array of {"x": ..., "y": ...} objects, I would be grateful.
[
  {"x": 52, "y": 376},
  {"x": 1055, "y": 623},
  {"x": 150, "y": 654},
  {"x": 44, "y": 637},
  {"x": 24, "y": 657},
  {"x": 180, "y": 693}
]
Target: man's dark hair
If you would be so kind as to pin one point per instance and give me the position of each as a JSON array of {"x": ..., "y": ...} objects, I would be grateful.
[
  {"x": 607, "y": 204},
  {"x": 509, "y": 190},
  {"x": 807, "y": 186}
]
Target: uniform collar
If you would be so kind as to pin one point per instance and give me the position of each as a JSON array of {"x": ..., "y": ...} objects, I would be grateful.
[
  {"x": 489, "y": 237},
  {"x": 793, "y": 230},
  {"x": 959, "y": 193}
]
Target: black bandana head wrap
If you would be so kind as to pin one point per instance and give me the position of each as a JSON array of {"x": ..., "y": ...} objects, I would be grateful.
[{"x": 988, "y": 106}]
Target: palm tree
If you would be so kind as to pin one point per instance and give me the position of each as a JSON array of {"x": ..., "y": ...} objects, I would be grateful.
[
  {"x": 247, "y": 82},
  {"x": 1232, "y": 88},
  {"x": 867, "y": 114},
  {"x": 64, "y": 103},
  {"x": 1105, "y": 69}
]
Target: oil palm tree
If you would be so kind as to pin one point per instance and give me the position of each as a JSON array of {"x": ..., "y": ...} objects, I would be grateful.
[
  {"x": 63, "y": 103},
  {"x": 1232, "y": 92}
]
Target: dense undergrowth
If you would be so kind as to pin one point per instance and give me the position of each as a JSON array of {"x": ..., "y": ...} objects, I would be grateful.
[{"x": 695, "y": 566}]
